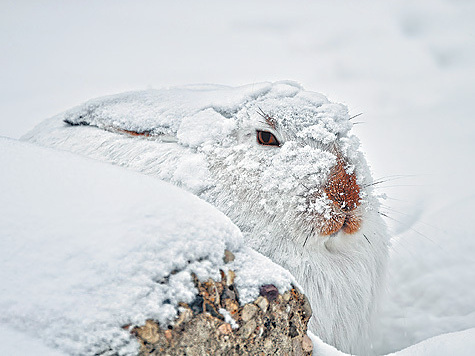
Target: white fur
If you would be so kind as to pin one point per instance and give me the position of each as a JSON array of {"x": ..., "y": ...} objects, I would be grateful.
[{"x": 205, "y": 141}]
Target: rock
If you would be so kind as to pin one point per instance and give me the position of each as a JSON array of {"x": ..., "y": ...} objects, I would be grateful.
[
  {"x": 149, "y": 333},
  {"x": 297, "y": 349},
  {"x": 225, "y": 329},
  {"x": 268, "y": 344},
  {"x": 231, "y": 306},
  {"x": 262, "y": 303},
  {"x": 184, "y": 317},
  {"x": 307, "y": 344},
  {"x": 306, "y": 307},
  {"x": 228, "y": 256},
  {"x": 269, "y": 291},
  {"x": 272, "y": 324},
  {"x": 248, "y": 312},
  {"x": 230, "y": 278},
  {"x": 248, "y": 329}
]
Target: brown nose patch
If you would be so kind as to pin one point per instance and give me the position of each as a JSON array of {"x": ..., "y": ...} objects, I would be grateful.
[
  {"x": 343, "y": 191},
  {"x": 342, "y": 188}
]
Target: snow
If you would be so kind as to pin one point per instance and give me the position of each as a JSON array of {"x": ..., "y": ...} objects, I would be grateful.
[
  {"x": 13, "y": 342},
  {"x": 409, "y": 67},
  {"x": 460, "y": 343},
  {"x": 431, "y": 293},
  {"x": 87, "y": 248},
  {"x": 228, "y": 318}
]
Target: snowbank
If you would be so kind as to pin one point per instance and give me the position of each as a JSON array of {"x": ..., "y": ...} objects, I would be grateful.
[
  {"x": 460, "y": 343},
  {"x": 431, "y": 278},
  {"x": 87, "y": 248},
  {"x": 14, "y": 342}
]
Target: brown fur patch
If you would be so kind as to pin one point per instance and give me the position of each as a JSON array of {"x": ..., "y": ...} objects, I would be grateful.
[
  {"x": 344, "y": 192},
  {"x": 134, "y": 133}
]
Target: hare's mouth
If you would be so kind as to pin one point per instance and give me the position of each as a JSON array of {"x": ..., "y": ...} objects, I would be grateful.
[
  {"x": 343, "y": 192},
  {"x": 346, "y": 222}
]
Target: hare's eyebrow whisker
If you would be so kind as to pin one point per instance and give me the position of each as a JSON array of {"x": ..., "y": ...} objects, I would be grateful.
[{"x": 268, "y": 120}]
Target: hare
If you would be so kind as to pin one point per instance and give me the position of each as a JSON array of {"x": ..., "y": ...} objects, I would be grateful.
[{"x": 278, "y": 160}]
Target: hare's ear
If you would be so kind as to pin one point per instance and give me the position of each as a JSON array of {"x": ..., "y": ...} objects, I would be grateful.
[
  {"x": 83, "y": 115},
  {"x": 148, "y": 134},
  {"x": 113, "y": 129},
  {"x": 133, "y": 114},
  {"x": 76, "y": 123}
]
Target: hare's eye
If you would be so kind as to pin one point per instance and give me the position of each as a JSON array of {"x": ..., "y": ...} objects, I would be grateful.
[{"x": 267, "y": 139}]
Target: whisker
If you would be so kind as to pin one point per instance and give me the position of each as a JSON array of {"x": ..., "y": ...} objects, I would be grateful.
[
  {"x": 303, "y": 185},
  {"x": 421, "y": 222},
  {"x": 268, "y": 119},
  {"x": 399, "y": 185},
  {"x": 385, "y": 179},
  {"x": 400, "y": 176},
  {"x": 366, "y": 239},
  {"x": 351, "y": 118},
  {"x": 261, "y": 112},
  {"x": 395, "y": 199},
  {"x": 410, "y": 228},
  {"x": 311, "y": 233}
]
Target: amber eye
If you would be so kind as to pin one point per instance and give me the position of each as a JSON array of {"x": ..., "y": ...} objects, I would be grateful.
[{"x": 267, "y": 139}]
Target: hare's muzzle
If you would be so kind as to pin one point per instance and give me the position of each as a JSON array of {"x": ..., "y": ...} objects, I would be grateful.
[{"x": 344, "y": 194}]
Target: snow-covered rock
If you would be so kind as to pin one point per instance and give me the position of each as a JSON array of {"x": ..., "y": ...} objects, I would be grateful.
[{"x": 84, "y": 246}]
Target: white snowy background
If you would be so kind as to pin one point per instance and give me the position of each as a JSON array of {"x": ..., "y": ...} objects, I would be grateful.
[{"x": 408, "y": 66}]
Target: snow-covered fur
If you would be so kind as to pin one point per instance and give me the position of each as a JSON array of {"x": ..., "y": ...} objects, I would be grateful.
[{"x": 205, "y": 139}]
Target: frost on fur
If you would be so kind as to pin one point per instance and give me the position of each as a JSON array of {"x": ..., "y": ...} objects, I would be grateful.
[{"x": 306, "y": 203}]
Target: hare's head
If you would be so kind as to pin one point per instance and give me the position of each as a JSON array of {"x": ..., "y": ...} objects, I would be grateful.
[{"x": 290, "y": 163}]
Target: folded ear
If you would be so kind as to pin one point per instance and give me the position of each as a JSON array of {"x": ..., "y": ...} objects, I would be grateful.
[
  {"x": 134, "y": 133},
  {"x": 145, "y": 133},
  {"x": 141, "y": 113}
]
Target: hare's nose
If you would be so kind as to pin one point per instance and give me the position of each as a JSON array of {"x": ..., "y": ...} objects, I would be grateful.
[{"x": 342, "y": 188}]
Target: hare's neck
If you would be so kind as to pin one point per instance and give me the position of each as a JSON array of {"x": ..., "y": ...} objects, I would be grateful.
[{"x": 343, "y": 288}]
